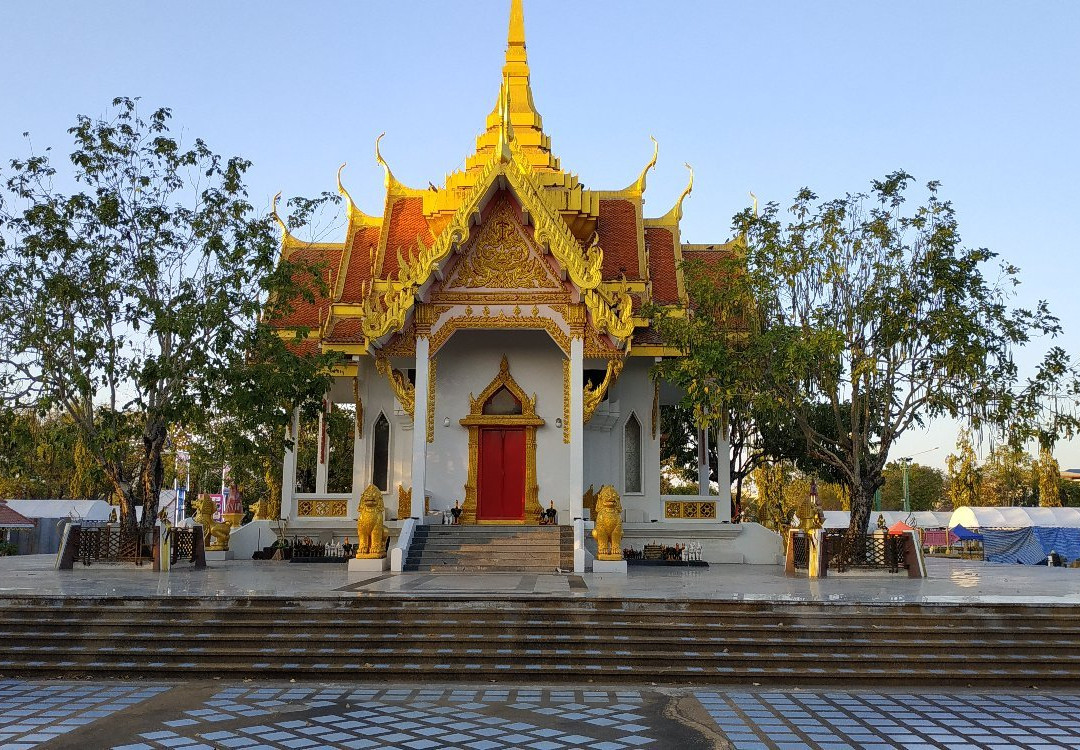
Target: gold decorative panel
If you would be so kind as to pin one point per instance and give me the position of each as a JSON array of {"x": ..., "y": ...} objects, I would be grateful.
[
  {"x": 322, "y": 508},
  {"x": 690, "y": 509},
  {"x": 502, "y": 259}
]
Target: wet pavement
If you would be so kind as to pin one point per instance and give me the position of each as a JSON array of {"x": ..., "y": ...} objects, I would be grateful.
[{"x": 950, "y": 581}]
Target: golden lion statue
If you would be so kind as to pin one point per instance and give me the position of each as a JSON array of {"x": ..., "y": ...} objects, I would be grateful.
[
  {"x": 608, "y": 529},
  {"x": 371, "y": 534},
  {"x": 215, "y": 533}
]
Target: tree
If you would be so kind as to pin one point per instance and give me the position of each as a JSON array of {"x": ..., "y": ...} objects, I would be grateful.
[
  {"x": 926, "y": 487},
  {"x": 1007, "y": 477},
  {"x": 1048, "y": 479},
  {"x": 881, "y": 314},
  {"x": 131, "y": 298},
  {"x": 963, "y": 478}
]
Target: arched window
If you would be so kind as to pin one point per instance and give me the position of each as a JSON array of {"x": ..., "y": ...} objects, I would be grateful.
[
  {"x": 632, "y": 449},
  {"x": 380, "y": 459}
]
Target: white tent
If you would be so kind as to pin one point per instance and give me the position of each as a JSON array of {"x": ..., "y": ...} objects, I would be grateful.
[
  {"x": 1014, "y": 518},
  {"x": 86, "y": 510}
]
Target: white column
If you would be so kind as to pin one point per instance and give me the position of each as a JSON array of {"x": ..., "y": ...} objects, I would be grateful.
[
  {"x": 703, "y": 462},
  {"x": 723, "y": 477},
  {"x": 288, "y": 470},
  {"x": 419, "y": 430},
  {"x": 322, "y": 452},
  {"x": 577, "y": 426}
]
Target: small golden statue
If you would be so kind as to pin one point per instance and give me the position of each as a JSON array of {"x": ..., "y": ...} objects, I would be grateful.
[
  {"x": 371, "y": 533},
  {"x": 404, "y": 502},
  {"x": 881, "y": 522},
  {"x": 608, "y": 529},
  {"x": 215, "y": 533}
]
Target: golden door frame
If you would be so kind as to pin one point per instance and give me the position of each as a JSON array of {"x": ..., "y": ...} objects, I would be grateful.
[{"x": 527, "y": 419}]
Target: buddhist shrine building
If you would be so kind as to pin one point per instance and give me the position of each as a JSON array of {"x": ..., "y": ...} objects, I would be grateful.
[{"x": 495, "y": 356}]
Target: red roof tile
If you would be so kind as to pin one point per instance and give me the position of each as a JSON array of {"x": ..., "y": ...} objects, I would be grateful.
[
  {"x": 616, "y": 226},
  {"x": 321, "y": 260},
  {"x": 359, "y": 270},
  {"x": 407, "y": 224},
  {"x": 12, "y": 519},
  {"x": 661, "y": 245},
  {"x": 346, "y": 332}
]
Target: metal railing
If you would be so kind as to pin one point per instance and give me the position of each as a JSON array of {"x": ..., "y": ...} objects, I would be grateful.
[
  {"x": 113, "y": 544},
  {"x": 863, "y": 551},
  {"x": 182, "y": 544}
]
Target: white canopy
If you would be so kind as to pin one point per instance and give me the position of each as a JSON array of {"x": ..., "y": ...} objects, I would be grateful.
[
  {"x": 1014, "y": 518},
  {"x": 88, "y": 510}
]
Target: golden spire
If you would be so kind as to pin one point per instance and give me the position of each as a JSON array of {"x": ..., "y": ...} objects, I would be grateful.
[{"x": 515, "y": 37}]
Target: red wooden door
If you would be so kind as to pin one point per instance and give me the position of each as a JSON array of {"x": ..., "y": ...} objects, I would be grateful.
[{"x": 501, "y": 478}]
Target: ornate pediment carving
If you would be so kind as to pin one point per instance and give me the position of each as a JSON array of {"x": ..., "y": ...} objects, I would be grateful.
[{"x": 502, "y": 258}]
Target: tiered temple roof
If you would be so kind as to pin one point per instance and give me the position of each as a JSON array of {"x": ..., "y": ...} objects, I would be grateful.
[{"x": 387, "y": 261}]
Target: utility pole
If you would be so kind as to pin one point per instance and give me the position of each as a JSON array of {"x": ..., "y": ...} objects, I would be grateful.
[{"x": 906, "y": 462}]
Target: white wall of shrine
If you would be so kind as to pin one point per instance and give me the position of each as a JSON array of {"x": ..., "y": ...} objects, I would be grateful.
[{"x": 465, "y": 365}]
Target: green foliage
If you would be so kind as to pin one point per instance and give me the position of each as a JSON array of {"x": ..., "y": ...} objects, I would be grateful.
[
  {"x": 138, "y": 299},
  {"x": 1007, "y": 477},
  {"x": 8, "y": 548},
  {"x": 1069, "y": 493},
  {"x": 963, "y": 479},
  {"x": 876, "y": 313},
  {"x": 1047, "y": 479},
  {"x": 926, "y": 487}
]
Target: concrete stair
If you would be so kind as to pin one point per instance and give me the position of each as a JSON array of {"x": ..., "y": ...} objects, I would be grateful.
[
  {"x": 535, "y": 549},
  {"x": 539, "y": 639}
]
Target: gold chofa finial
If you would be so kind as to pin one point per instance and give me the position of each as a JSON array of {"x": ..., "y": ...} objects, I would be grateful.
[
  {"x": 640, "y": 184},
  {"x": 686, "y": 191},
  {"x": 754, "y": 199},
  {"x": 286, "y": 235},
  {"x": 388, "y": 175},
  {"x": 341, "y": 189}
]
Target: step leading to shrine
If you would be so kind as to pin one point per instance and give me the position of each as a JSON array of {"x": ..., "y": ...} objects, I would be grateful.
[{"x": 489, "y": 548}]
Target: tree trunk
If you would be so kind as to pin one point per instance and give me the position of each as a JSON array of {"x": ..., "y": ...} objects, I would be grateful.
[
  {"x": 862, "y": 503},
  {"x": 152, "y": 473}
]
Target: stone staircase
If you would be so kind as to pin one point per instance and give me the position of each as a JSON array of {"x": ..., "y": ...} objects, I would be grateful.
[
  {"x": 539, "y": 639},
  {"x": 534, "y": 549}
]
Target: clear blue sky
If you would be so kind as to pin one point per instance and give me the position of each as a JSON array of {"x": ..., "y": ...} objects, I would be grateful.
[{"x": 765, "y": 96}]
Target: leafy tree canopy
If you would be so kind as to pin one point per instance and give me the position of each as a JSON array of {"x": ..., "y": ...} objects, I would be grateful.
[{"x": 139, "y": 295}]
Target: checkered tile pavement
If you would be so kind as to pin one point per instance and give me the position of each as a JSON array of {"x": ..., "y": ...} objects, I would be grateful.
[
  {"x": 276, "y": 717},
  {"x": 797, "y": 720},
  {"x": 408, "y": 719},
  {"x": 33, "y": 713}
]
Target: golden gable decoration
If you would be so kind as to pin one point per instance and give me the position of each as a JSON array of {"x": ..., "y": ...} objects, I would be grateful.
[{"x": 502, "y": 259}]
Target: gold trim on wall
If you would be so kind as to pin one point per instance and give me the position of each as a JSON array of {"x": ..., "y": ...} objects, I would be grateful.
[
  {"x": 690, "y": 509},
  {"x": 595, "y": 394},
  {"x": 431, "y": 402},
  {"x": 527, "y": 419},
  {"x": 322, "y": 508},
  {"x": 403, "y": 389},
  {"x": 502, "y": 322}
]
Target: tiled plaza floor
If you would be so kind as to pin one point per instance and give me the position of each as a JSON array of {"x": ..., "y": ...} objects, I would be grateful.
[{"x": 197, "y": 716}]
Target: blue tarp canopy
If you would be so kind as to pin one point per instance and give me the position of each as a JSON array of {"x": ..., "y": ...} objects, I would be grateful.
[
  {"x": 965, "y": 534},
  {"x": 1030, "y": 546}
]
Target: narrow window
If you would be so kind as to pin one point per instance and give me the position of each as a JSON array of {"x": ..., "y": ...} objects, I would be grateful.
[
  {"x": 632, "y": 446},
  {"x": 380, "y": 471}
]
